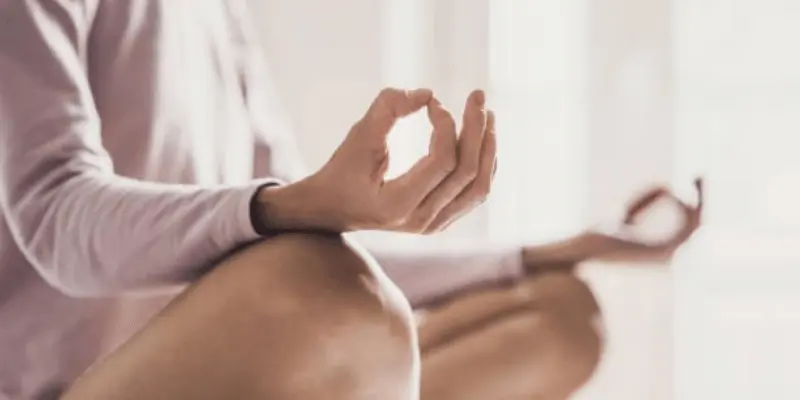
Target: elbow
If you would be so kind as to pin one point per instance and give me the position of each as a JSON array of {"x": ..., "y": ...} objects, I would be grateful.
[
  {"x": 67, "y": 270},
  {"x": 51, "y": 234},
  {"x": 78, "y": 291},
  {"x": 78, "y": 282},
  {"x": 81, "y": 280},
  {"x": 77, "y": 274},
  {"x": 83, "y": 284}
]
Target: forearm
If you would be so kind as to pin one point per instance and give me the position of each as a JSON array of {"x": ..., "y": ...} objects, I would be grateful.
[
  {"x": 565, "y": 252},
  {"x": 97, "y": 234},
  {"x": 589, "y": 245},
  {"x": 87, "y": 231},
  {"x": 431, "y": 274}
]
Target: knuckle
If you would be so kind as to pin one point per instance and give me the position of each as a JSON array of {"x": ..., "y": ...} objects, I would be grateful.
[
  {"x": 417, "y": 222},
  {"x": 387, "y": 218},
  {"x": 438, "y": 225},
  {"x": 473, "y": 199},
  {"x": 446, "y": 162},
  {"x": 396, "y": 219},
  {"x": 467, "y": 171},
  {"x": 388, "y": 93},
  {"x": 383, "y": 104},
  {"x": 430, "y": 230},
  {"x": 378, "y": 220},
  {"x": 485, "y": 193},
  {"x": 400, "y": 218},
  {"x": 478, "y": 194},
  {"x": 484, "y": 185}
]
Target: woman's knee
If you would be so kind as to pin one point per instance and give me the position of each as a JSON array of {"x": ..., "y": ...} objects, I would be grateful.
[
  {"x": 563, "y": 293},
  {"x": 307, "y": 273},
  {"x": 572, "y": 327},
  {"x": 574, "y": 352},
  {"x": 340, "y": 321}
]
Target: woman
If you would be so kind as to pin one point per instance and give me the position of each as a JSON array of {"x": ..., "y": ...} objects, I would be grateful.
[{"x": 154, "y": 226}]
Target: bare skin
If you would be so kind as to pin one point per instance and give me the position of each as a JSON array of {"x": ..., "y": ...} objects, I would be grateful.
[
  {"x": 295, "y": 317},
  {"x": 540, "y": 338},
  {"x": 350, "y": 191},
  {"x": 305, "y": 316}
]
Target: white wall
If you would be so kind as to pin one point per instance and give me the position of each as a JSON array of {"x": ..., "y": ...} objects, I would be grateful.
[
  {"x": 326, "y": 59},
  {"x": 330, "y": 58},
  {"x": 631, "y": 97}
]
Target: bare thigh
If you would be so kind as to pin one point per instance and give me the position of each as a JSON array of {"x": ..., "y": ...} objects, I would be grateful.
[
  {"x": 295, "y": 317},
  {"x": 536, "y": 340}
]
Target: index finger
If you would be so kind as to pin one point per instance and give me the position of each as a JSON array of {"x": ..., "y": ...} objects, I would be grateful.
[
  {"x": 643, "y": 202},
  {"x": 391, "y": 105},
  {"x": 408, "y": 190}
]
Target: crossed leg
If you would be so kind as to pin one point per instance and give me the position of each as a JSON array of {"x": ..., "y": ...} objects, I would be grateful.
[
  {"x": 308, "y": 317},
  {"x": 296, "y": 317},
  {"x": 538, "y": 339}
]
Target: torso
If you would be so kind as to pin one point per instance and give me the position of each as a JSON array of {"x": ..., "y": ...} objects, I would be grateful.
[{"x": 166, "y": 79}]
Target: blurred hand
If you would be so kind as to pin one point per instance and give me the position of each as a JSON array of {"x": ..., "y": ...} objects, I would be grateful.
[
  {"x": 625, "y": 244},
  {"x": 622, "y": 244},
  {"x": 690, "y": 213},
  {"x": 350, "y": 191}
]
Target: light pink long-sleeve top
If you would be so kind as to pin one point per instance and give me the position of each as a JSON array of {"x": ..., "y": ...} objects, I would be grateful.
[{"x": 130, "y": 135}]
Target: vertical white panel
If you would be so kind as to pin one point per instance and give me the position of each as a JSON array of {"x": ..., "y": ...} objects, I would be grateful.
[
  {"x": 326, "y": 59},
  {"x": 738, "y": 66},
  {"x": 631, "y": 100},
  {"x": 538, "y": 89},
  {"x": 406, "y": 64},
  {"x": 738, "y": 107}
]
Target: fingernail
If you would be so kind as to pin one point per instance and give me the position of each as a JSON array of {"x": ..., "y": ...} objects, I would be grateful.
[{"x": 479, "y": 97}]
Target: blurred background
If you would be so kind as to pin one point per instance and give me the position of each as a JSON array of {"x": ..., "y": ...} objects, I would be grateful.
[{"x": 596, "y": 100}]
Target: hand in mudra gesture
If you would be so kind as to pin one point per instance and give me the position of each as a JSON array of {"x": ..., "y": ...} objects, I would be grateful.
[
  {"x": 626, "y": 243},
  {"x": 690, "y": 213},
  {"x": 350, "y": 192}
]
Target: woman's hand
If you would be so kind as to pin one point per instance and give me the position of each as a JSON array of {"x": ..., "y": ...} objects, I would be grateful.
[
  {"x": 622, "y": 244},
  {"x": 350, "y": 192},
  {"x": 691, "y": 215},
  {"x": 626, "y": 245}
]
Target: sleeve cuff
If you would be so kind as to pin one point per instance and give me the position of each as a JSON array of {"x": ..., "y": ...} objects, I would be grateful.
[
  {"x": 511, "y": 267},
  {"x": 247, "y": 229}
]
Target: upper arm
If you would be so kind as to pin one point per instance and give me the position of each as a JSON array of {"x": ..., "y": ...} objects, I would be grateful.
[
  {"x": 49, "y": 128},
  {"x": 84, "y": 229},
  {"x": 47, "y": 112}
]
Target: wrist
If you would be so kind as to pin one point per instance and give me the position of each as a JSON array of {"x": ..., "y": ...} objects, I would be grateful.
[
  {"x": 559, "y": 255},
  {"x": 287, "y": 208}
]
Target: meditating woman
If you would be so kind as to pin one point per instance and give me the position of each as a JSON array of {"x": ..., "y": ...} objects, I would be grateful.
[{"x": 159, "y": 241}]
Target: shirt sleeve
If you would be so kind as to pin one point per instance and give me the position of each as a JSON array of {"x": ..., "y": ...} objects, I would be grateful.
[
  {"x": 429, "y": 273},
  {"x": 87, "y": 231}
]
